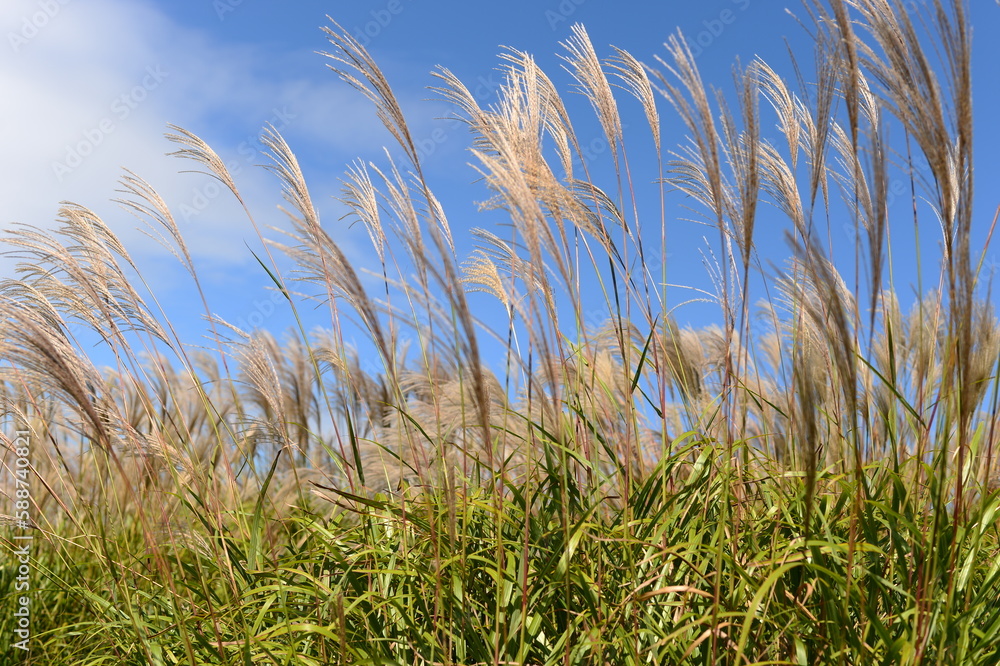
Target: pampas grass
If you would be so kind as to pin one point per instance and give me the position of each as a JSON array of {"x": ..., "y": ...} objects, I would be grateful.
[{"x": 812, "y": 480}]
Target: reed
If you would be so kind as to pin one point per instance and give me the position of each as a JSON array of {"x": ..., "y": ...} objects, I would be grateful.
[{"x": 812, "y": 480}]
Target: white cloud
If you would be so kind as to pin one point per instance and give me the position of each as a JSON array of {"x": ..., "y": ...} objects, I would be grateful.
[{"x": 90, "y": 87}]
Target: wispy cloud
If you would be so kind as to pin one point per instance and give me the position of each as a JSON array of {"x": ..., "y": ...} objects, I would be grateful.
[{"x": 90, "y": 87}]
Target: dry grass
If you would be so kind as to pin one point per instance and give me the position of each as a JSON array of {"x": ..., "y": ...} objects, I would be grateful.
[{"x": 619, "y": 491}]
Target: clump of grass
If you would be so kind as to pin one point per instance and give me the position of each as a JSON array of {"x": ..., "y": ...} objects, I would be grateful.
[{"x": 819, "y": 489}]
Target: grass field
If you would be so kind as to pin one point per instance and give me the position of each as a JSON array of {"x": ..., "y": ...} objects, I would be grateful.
[{"x": 811, "y": 481}]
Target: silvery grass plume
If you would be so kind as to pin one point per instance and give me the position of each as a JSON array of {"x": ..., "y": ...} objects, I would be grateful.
[
  {"x": 630, "y": 476},
  {"x": 580, "y": 389}
]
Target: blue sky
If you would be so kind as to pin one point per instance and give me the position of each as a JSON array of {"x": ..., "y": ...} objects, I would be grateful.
[{"x": 90, "y": 86}]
